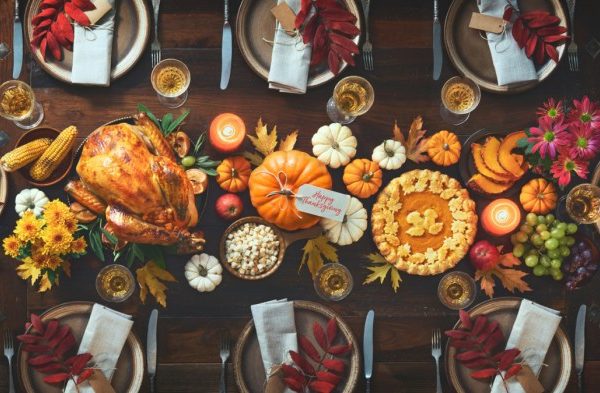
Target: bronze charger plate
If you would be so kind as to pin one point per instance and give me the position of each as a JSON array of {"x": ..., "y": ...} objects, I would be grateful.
[
  {"x": 129, "y": 372},
  {"x": 247, "y": 362},
  {"x": 470, "y": 53},
  {"x": 255, "y": 28},
  {"x": 132, "y": 33},
  {"x": 554, "y": 376}
]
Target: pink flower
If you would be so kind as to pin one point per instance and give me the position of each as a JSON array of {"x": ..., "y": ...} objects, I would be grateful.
[
  {"x": 563, "y": 167},
  {"x": 586, "y": 112},
  {"x": 552, "y": 109},
  {"x": 549, "y": 137},
  {"x": 584, "y": 142}
]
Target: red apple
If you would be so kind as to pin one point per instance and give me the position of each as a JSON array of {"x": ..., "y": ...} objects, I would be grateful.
[
  {"x": 229, "y": 206},
  {"x": 484, "y": 255}
]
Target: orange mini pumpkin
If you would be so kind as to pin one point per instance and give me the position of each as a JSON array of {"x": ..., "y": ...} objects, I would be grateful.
[
  {"x": 362, "y": 177},
  {"x": 444, "y": 148},
  {"x": 233, "y": 174},
  {"x": 274, "y": 186},
  {"x": 538, "y": 196}
]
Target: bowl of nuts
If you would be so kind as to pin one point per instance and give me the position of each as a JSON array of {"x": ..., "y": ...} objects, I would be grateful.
[{"x": 253, "y": 249}]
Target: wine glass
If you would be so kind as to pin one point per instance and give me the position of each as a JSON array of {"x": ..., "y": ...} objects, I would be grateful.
[
  {"x": 460, "y": 97},
  {"x": 333, "y": 282},
  {"x": 352, "y": 96},
  {"x": 583, "y": 203},
  {"x": 171, "y": 80},
  {"x": 18, "y": 104}
]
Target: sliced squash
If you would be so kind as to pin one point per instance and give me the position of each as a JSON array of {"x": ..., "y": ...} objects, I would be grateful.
[
  {"x": 490, "y": 152},
  {"x": 518, "y": 158},
  {"x": 477, "y": 150},
  {"x": 482, "y": 184},
  {"x": 505, "y": 156}
]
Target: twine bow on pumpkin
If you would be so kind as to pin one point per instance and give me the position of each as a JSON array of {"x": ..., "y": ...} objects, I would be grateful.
[{"x": 283, "y": 190}]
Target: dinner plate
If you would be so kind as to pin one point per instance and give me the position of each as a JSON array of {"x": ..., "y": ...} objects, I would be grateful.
[
  {"x": 3, "y": 190},
  {"x": 596, "y": 181},
  {"x": 255, "y": 28},
  {"x": 129, "y": 372},
  {"x": 470, "y": 53},
  {"x": 247, "y": 362},
  {"x": 554, "y": 375},
  {"x": 130, "y": 39}
]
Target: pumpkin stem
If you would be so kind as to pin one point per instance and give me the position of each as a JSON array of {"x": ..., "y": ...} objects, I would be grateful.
[
  {"x": 234, "y": 172},
  {"x": 202, "y": 271},
  {"x": 389, "y": 152},
  {"x": 335, "y": 146},
  {"x": 367, "y": 176},
  {"x": 446, "y": 146}
]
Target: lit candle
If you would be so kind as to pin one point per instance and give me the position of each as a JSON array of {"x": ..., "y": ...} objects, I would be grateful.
[
  {"x": 227, "y": 132},
  {"x": 500, "y": 217}
]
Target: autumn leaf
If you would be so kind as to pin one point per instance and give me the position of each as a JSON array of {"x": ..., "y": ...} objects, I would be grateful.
[
  {"x": 316, "y": 252},
  {"x": 289, "y": 142},
  {"x": 380, "y": 271},
  {"x": 254, "y": 158},
  {"x": 149, "y": 278},
  {"x": 66, "y": 267},
  {"x": 45, "y": 284},
  {"x": 511, "y": 279},
  {"x": 264, "y": 141},
  {"x": 415, "y": 143},
  {"x": 28, "y": 270}
]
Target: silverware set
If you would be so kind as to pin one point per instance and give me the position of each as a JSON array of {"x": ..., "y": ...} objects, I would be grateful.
[
  {"x": 436, "y": 352},
  {"x": 572, "y": 48},
  {"x": 224, "y": 353},
  {"x": 155, "y": 51},
  {"x": 9, "y": 352},
  {"x": 367, "y": 49}
]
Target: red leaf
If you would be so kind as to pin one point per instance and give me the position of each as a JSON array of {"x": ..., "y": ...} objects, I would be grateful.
[
  {"x": 344, "y": 42},
  {"x": 51, "y": 329},
  {"x": 309, "y": 348},
  {"x": 84, "y": 5},
  {"x": 66, "y": 344},
  {"x": 51, "y": 3},
  {"x": 340, "y": 349},
  {"x": 49, "y": 368},
  {"x": 465, "y": 319},
  {"x": 540, "y": 53},
  {"x": 308, "y": 34},
  {"x": 42, "y": 26},
  {"x": 319, "y": 49},
  {"x": 46, "y": 13},
  {"x": 507, "y": 359},
  {"x": 551, "y": 52},
  {"x": 303, "y": 13},
  {"x": 335, "y": 365},
  {"x": 344, "y": 27},
  {"x": 456, "y": 333},
  {"x": 508, "y": 12},
  {"x": 58, "y": 34},
  {"x": 304, "y": 364},
  {"x": 65, "y": 27},
  {"x": 489, "y": 329},
  {"x": 552, "y": 30},
  {"x": 332, "y": 330},
  {"x": 469, "y": 355},
  {"x": 85, "y": 374},
  {"x": 495, "y": 339},
  {"x": 293, "y": 384},
  {"x": 484, "y": 374},
  {"x": 37, "y": 324},
  {"x": 53, "y": 46},
  {"x": 338, "y": 15},
  {"x": 57, "y": 378},
  {"x": 333, "y": 60},
  {"x": 28, "y": 338},
  {"x": 531, "y": 45},
  {"x": 320, "y": 336},
  {"x": 77, "y": 15},
  {"x": 343, "y": 53},
  {"x": 556, "y": 39},
  {"x": 80, "y": 362},
  {"x": 512, "y": 371},
  {"x": 36, "y": 348},
  {"x": 544, "y": 21},
  {"x": 40, "y": 360},
  {"x": 59, "y": 335},
  {"x": 43, "y": 47},
  {"x": 321, "y": 387},
  {"x": 531, "y": 15},
  {"x": 328, "y": 377},
  {"x": 480, "y": 323},
  {"x": 292, "y": 372}
]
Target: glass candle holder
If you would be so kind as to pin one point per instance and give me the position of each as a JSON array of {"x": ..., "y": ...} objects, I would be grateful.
[
  {"x": 460, "y": 97},
  {"x": 18, "y": 104},
  {"x": 333, "y": 282},
  {"x": 115, "y": 283},
  {"x": 171, "y": 80},
  {"x": 352, "y": 96}
]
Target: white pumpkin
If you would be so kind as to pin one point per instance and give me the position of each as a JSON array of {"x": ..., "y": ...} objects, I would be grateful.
[
  {"x": 351, "y": 229},
  {"x": 203, "y": 272},
  {"x": 30, "y": 199},
  {"x": 334, "y": 145},
  {"x": 390, "y": 154}
]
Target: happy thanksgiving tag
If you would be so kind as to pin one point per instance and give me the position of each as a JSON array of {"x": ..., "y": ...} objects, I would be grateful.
[{"x": 321, "y": 202}]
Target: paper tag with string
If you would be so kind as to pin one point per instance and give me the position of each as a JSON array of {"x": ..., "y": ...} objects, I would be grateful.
[
  {"x": 102, "y": 8},
  {"x": 321, "y": 202},
  {"x": 286, "y": 17},
  {"x": 487, "y": 23}
]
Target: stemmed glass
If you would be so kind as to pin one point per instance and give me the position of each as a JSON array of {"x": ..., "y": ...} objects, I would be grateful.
[
  {"x": 352, "y": 96},
  {"x": 171, "y": 80},
  {"x": 583, "y": 203},
  {"x": 18, "y": 104},
  {"x": 460, "y": 97}
]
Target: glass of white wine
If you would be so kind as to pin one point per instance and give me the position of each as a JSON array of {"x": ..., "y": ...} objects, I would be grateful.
[
  {"x": 171, "y": 81},
  {"x": 18, "y": 104},
  {"x": 583, "y": 203},
  {"x": 460, "y": 97},
  {"x": 353, "y": 96},
  {"x": 115, "y": 283}
]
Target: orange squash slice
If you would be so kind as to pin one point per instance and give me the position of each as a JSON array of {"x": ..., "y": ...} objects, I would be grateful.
[
  {"x": 490, "y": 152},
  {"x": 482, "y": 184},
  {"x": 506, "y": 158},
  {"x": 476, "y": 150}
]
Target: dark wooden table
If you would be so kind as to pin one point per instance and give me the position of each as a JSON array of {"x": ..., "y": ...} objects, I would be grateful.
[{"x": 189, "y": 327}]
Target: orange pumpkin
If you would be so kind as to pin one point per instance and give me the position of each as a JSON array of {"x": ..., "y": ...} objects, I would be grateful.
[
  {"x": 538, "y": 196},
  {"x": 233, "y": 174},
  {"x": 362, "y": 177},
  {"x": 275, "y": 183},
  {"x": 444, "y": 148}
]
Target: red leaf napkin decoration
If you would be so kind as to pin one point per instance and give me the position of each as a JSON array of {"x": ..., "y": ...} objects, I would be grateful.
[{"x": 538, "y": 32}]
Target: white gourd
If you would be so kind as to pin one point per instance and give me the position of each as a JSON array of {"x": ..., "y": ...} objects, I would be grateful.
[
  {"x": 351, "y": 229},
  {"x": 30, "y": 199},
  {"x": 390, "y": 154},
  {"x": 334, "y": 145},
  {"x": 203, "y": 272}
]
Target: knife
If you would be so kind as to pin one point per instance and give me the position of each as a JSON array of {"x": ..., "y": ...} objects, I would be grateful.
[
  {"x": 151, "y": 347},
  {"x": 437, "y": 43},
  {"x": 226, "y": 50},
  {"x": 368, "y": 348},
  {"x": 580, "y": 345},
  {"x": 17, "y": 43}
]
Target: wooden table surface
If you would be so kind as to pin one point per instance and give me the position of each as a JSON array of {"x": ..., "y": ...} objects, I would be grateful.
[{"x": 189, "y": 327}]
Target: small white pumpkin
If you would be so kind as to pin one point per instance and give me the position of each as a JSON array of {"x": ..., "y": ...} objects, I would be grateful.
[
  {"x": 390, "y": 154},
  {"x": 203, "y": 272},
  {"x": 334, "y": 145},
  {"x": 30, "y": 199},
  {"x": 351, "y": 229}
]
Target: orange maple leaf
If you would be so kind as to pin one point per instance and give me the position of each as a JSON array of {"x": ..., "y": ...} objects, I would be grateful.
[
  {"x": 415, "y": 142},
  {"x": 511, "y": 279}
]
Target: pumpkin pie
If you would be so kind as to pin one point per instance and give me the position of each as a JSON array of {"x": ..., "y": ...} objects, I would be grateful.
[{"x": 424, "y": 222}]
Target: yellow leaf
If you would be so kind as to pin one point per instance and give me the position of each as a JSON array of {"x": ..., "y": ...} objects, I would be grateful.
[
  {"x": 512, "y": 279},
  {"x": 376, "y": 257},
  {"x": 27, "y": 270},
  {"x": 398, "y": 136},
  {"x": 45, "y": 284},
  {"x": 149, "y": 278},
  {"x": 254, "y": 158},
  {"x": 380, "y": 270},
  {"x": 289, "y": 142},
  {"x": 316, "y": 251},
  {"x": 264, "y": 142},
  {"x": 395, "y": 277}
]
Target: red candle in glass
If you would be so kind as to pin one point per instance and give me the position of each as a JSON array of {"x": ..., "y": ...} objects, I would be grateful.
[
  {"x": 500, "y": 217},
  {"x": 227, "y": 132}
]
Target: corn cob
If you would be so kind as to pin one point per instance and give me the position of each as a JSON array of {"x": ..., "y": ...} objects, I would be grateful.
[
  {"x": 24, "y": 154},
  {"x": 54, "y": 155}
]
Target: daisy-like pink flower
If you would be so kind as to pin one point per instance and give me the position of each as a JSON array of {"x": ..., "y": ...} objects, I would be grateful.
[
  {"x": 552, "y": 109},
  {"x": 548, "y": 137},
  {"x": 584, "y": 142},
  {"x": 586, "y": 112},
  {"x": 564, "y": 166}
]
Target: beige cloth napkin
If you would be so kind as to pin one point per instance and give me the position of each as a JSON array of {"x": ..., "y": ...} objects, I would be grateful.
[
  {"x": 276, "y": 331},
  {"x": 290, "y": 59},
  {"x": 510, "y": 62},
  {"x": 92, "y": 51},
  {"x": 104, "y": 337},
  {"x": 532, "y": 333}
]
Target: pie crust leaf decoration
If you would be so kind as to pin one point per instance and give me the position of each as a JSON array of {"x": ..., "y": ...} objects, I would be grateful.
[{"x": 380, "y": 269}]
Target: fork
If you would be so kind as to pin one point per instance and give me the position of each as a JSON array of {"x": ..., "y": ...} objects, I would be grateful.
[
  {"x": 9, "y": 351},
  {"x": 572, "y": 49},
  {"x": 367, "y": 49},
  {"x": 155, "y": 51},
  {"x": 436, "y": 352},
  {"x": 224, "y": 356}
]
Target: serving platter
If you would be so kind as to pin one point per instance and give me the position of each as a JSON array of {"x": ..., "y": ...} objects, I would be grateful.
[
  {"x": 558, "y": 362},
  {"x": 254, "y": 32},
  {"x": 470, "y": 53},
  {"x": 247, "y": 362},
  {"x": 130, "y": 39},
  {"x": 129, "y": 373}
]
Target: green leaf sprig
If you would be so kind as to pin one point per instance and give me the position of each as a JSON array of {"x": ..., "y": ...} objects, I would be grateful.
[{"x": 167, "y": 124}]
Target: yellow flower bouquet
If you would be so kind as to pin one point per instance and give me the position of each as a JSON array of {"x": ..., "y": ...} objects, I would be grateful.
[{"x": 45, "y": 244}]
